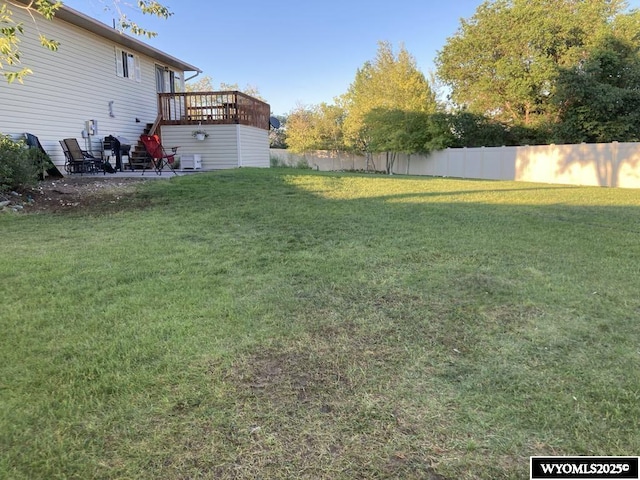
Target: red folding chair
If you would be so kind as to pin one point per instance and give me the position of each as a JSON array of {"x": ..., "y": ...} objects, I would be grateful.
[{"x": 159, "y": 157}]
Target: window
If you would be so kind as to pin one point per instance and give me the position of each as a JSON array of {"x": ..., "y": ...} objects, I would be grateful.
[
  {"x": 177, "y": 85},
  {"x": 127, "y": 65},
  {"x": 168, "y": 81},
  {"x": 160, "y": 83}
]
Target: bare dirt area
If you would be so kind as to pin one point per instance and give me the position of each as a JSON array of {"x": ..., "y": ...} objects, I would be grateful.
[{"x": 70, "y": 194}]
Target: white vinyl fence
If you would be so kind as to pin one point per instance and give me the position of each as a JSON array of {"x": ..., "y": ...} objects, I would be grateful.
[{"x": 598, "y": 164}]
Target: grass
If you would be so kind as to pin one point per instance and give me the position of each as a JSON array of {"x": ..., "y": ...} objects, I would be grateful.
[{"x": 285, "y": 324}]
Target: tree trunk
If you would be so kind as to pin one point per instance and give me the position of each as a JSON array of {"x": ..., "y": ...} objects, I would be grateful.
[{"x": 391, "y": 158}]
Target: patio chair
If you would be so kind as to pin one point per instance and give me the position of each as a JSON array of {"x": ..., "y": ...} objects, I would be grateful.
[
  {"x": 47, "y": 167},
  {"x": 76, "y": 161},
  {"x": 159, "y": 157},
  {"x": 90, "y": 163}
]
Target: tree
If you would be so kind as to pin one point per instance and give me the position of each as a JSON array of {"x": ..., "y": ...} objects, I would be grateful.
[
  {"x": 317, "y": 127},
  {"x": 205, "y": 84},
  {"x": 328, "y": 123},
  {"x": 392, "y": 82},
  {"x": 10, "y": 31},
  {"x": 599, "y": 99},
  {"x": 504, "y": 61},
  {"x": 397, "y": 131},
  {"x": 301, "y": 134},
  {"x": 461, "y": 129},
  {"x": 202, "y": 84},
  {"x": 250, "y": 90}
]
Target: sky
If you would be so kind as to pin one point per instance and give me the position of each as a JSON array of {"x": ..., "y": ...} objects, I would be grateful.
[{"x": 295, "y": 52}]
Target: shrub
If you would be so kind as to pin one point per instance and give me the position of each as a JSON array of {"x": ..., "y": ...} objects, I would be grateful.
[
  {"x": 275, "y": 162},
  {"x": 302, "y": 164},
  {"x": 19, "y": 165}
]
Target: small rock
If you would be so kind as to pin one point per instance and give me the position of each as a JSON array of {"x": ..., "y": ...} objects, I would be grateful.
[
  {"x": 17, "y": 208},
  {"x": 4, "y": 204},
  {"x": 15, "y": 194}
]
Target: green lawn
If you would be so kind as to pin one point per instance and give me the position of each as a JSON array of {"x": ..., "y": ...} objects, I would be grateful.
[{"x": 290, "y": 324}]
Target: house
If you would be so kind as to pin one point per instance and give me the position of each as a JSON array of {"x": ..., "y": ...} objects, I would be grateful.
[{"x": 102, "y": 82}]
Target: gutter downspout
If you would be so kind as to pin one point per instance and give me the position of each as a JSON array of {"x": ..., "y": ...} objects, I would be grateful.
[{"x": 198, "y": 72}]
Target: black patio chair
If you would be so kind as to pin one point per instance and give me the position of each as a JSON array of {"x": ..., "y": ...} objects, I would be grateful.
[
  {"x": 75, "y": 165},
  {"x": 78, "y": 160},
  {"x": 48, "y": 168}
]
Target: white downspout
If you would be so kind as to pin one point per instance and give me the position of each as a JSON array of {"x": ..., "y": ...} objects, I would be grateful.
[{"x": 193, "y": 76}]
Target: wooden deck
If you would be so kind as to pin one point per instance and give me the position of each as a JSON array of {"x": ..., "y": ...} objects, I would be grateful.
[{"x": 213, "y": 108}]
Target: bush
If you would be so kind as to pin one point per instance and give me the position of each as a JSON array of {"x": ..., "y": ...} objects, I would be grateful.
[
  {"x": 16, "y": 166},
  {"x": 275, "y": 162},
  {"x": 19, "y": 165},
  {"x": 299, "y": 163},
  {"x": 302, "y": 164}
]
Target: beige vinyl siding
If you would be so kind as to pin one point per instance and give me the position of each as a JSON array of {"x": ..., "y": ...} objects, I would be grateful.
[
  {"x": 221, "y": 147},
  {"x": 218, "y": 151},
  {"x": 227, "y": 146},
  {"x": 253, "y": 146},
  {"x": 73, "y": 85}
]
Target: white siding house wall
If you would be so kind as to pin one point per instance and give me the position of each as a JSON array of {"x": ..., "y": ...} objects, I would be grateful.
[
  {"x": 73, "y": 85},
  {"x": 254, "y": 146},
  {"x": 218, "y": 151},
  {"x": 227, "y": 146}
]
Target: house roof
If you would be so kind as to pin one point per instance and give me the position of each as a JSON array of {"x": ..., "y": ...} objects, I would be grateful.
[{"x": 92, "y": 25}]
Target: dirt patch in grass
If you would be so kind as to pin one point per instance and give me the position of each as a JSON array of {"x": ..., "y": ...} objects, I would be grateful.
[
  {"x": 72, "y": 194},
  {"x": 325, "y": 407}
]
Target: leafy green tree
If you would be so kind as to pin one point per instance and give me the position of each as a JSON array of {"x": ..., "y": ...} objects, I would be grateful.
[
  {"x": 10, "y": 30},
  {"x": 392, "y": 82},
  {"x": 328, "y": 124},
  {"x": 301, "y": 133},
  {"x": 397, "y": 131},
  {"x": 504, "y": 61},
  {"x": 440, "y": 132},
  {"x": 473, "y": 130},
  {"x": 600, "y": 98},
  {"x": 466, "y": 129},
  {"x": 317, "y": 127},
  {"x": 424, "y": 133}
]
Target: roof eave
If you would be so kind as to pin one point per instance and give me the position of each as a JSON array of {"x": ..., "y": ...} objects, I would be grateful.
[{"x": 96, "y": 27}]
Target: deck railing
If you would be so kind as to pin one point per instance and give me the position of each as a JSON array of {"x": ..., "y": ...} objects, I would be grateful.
[{"x": 211, "y": 108}]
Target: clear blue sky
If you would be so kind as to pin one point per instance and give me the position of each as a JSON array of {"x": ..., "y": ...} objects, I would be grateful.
[{"x": 295, "y": 51}]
